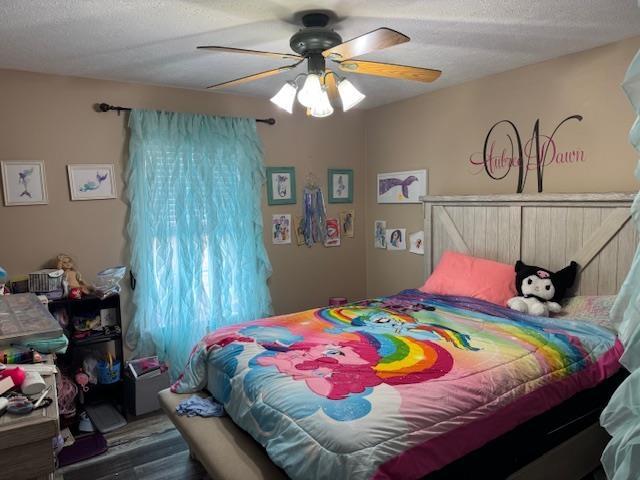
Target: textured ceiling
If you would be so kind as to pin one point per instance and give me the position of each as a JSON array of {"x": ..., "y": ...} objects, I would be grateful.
[{"x": 153, "y": 41}]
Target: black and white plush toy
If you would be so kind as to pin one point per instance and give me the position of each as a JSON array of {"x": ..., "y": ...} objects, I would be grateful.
[{"x": 540, "y": 290}]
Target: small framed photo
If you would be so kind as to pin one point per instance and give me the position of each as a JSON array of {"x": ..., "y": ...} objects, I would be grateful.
[
  {"x": 281, "y": 185},
  {"x": 347, "y": 220},
  {"x": 24, "y": 183},
  {"x": 333, "y": 233},
  {"x": 340, "y": 183},
  {"x": 281, "y": 229},
  {"x": 298, "y": 224},
  {"x": 416, "y": 242},
  {"x": 92, "y": 181},
  {"x": 396, "y": 238},
  {"x": 402, "y": 187}
]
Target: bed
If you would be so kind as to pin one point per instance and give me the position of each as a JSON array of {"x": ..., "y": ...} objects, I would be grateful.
[{"x": 334, "y": 393}]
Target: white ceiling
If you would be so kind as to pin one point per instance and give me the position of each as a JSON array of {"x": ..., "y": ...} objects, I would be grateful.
[{"x": 153, "y": 41}]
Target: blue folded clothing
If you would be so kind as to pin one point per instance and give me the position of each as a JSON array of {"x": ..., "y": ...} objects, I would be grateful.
[{"x": 198, "y": 406}]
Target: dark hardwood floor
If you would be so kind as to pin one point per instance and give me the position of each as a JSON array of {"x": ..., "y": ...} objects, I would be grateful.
[{"x": 149, "y": 448}]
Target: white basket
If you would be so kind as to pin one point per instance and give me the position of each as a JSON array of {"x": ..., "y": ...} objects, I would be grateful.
[{"x": 46, "y": 280}]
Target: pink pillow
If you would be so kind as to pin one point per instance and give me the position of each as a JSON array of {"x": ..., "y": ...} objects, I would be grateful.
[{"x": 459, "y": 274}]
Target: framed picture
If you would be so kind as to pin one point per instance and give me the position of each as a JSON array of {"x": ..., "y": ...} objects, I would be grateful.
[
  {"x": 281, "y": 185},
  {"x": 402, "y": 187},
  {"x": 379, "y": 234},
  {"x": 340, "y": 185},
  {"x": 24, "y": 183},
  {"x": 281, "y": 229},
  {"x": 396, "y": 238},
  {"x": 347, "y": 219},
  {"x": 92, "y": 181},
  {"x": 416, "y": 242},
  {"x": 333, "y": 233}
]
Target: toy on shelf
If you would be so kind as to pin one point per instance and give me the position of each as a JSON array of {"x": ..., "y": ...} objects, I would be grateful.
[
  {"x": 74, "y": 286},
  {"x": 82, "y": 379},
  {"x": 4, "y": 278}
]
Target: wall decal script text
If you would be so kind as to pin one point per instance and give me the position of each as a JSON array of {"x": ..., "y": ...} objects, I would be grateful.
[{"x": 538, "y": 152}]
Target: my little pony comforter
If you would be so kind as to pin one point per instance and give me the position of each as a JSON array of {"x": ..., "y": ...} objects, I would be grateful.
[{"x": 393, "y": 387}]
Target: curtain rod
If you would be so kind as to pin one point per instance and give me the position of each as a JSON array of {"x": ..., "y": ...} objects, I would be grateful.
[{"x": 105, "y": 107}]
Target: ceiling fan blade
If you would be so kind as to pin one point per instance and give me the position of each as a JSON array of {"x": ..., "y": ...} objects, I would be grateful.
[
  {"x": 256, "y": 76},
  {"x": 369, "y": 42},
  {"x": 290, "y": 56},
  {"x": 390, "y": 70},
  {"x": 330, "y": 84}
]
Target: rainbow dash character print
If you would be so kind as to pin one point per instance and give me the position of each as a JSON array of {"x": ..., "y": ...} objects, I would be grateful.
[{"x": 378, "y": 320}]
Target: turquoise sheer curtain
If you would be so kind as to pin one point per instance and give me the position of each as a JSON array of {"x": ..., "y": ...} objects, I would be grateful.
[
  {"x": 621, "y": 417},
  {"x": 195, "y": 225}
]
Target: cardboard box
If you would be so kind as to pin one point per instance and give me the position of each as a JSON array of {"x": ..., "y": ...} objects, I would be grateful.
[{"x": 141, "y": 394}]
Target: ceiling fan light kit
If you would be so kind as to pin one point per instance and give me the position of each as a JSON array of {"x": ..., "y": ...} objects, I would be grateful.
[
  {"x": 350, "y": 96},
  {"x": 311, "y": 91},
  {"x": 286, "y": 96},
  {"x": 322, "y": 107},
  {"x": 316, "y": 43}
]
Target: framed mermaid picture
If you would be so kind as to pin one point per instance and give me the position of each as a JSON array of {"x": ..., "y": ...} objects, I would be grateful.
[
  {"x": 23, "y": 183},
  {"x": 340, "y": 185},
  {"x": 402, "y": 187},
  {"x": 281, "y": 185},
  {"x": 92, "y": 181}
]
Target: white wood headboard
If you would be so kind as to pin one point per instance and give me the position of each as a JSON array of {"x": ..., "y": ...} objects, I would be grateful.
[{"x": 548, "y": 230}]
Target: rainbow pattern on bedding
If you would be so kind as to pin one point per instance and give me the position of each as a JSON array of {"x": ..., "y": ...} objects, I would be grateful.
[{"x": 393, "y": 387}]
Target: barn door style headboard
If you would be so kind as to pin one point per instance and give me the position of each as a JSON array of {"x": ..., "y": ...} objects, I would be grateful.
[{"x": 548, "y": 230}]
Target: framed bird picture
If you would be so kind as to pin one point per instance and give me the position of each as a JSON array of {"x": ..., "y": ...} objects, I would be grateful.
[
  {"x": 92, "y": 181},
  {"x": 402, "y": 187}
]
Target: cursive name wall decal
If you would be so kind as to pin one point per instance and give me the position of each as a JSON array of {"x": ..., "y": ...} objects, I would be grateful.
[{"x": 538, "y": 152}]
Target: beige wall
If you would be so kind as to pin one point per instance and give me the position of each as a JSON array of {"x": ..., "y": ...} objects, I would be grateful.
[
  {"x": 50, "y": 118},
  {"x": 440, "y": 130}
]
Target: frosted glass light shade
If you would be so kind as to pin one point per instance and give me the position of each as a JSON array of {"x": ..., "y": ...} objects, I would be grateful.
[
  {"x": 285, "y": 97},
  {"x": 323, "y": 107},
  {"x": 349, "y": 95},
  {"x": 311, "y": 91}
]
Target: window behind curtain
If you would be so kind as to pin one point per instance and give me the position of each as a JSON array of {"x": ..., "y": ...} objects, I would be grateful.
[{"x": 195, "y": 225}]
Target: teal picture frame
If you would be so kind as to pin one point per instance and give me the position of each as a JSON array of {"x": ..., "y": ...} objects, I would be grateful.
[
  {"x": 281, "y": 185},
  {"x": 340, "y": 190}
]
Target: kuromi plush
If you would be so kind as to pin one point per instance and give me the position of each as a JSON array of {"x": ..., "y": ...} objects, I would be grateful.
[{"x": 540, "y": 290}]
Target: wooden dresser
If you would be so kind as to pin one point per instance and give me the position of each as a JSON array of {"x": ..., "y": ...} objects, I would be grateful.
[{"x": 26, "y": 441}]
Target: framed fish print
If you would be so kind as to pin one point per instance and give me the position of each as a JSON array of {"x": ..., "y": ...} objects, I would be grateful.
[
  {"x": 402, "y": 187},
  {"x": 281, "y": 185},
  {"x": 92, "y": 181},
  {"x": 340, "y": 185},
  {"x": 24, "y": 183}
]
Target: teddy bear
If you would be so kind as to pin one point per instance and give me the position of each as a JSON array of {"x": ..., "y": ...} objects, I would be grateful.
[{"x": 540, "y": 290}]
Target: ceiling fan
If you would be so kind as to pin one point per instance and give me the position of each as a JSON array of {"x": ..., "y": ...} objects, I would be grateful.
[{"x": 316, "y": 43}]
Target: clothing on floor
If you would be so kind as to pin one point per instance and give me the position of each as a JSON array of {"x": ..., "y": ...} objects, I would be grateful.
[{"x": 203, "y": 407}]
